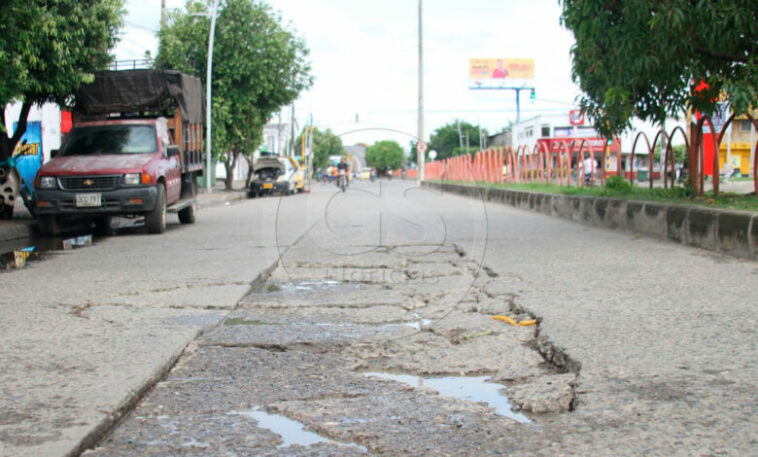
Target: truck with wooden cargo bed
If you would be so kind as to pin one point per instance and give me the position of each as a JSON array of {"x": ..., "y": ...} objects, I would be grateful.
[{"x": 135, "y": 150}]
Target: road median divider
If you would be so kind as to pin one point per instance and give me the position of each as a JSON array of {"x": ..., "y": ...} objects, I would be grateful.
[{"x": 730, "y": 232}]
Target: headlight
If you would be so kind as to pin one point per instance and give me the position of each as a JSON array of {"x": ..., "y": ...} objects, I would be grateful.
[
  {"x": 47, "y": 182},
  {"x": 131, "y": 179}
]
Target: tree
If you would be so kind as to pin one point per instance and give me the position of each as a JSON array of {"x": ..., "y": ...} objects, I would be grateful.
[
  {"x": 47, "y": 50},
  {"x": 258, "y": 67},
  {"x": 384, "y": 154},
  {"x": 446, "y": 140},
  {"x": 325, "y": 144},
  {"x": 645, "y": 58}
]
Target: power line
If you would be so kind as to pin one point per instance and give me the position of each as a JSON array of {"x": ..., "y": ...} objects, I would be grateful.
[{"x": 140, "y": 26}]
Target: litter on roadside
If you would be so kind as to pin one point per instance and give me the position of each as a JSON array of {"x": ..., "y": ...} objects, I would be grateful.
[{"x": 511, "y": 321}]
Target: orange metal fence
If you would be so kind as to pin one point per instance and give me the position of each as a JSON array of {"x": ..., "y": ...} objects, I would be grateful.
[{"x": 554, "y": 164}]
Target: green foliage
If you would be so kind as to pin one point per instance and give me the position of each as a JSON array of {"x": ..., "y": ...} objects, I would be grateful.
[
  {"x": 618, "y": 184},
  {"x": 384, "y": 154},
  {"x": 642, "y": 58},
  {"x": 446, "y": 140},
  {"x": 412, "y": 156},
  {"x": 678, "y": 195},
  {"x": 258, "y": 66},
  {"x": 49, "y": 48},
  {"x": 325, "y": 144},
  {"x": 680, "y": 153}
]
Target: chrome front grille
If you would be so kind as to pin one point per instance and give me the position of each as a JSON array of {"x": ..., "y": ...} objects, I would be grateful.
[{"x": 89, "y": 182}]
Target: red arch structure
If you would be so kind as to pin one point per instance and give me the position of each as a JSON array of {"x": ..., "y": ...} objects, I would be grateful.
[{"x": 553, "y": 164}]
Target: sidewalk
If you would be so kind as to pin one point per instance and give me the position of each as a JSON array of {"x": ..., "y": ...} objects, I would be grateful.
[
  {"x": 84, "y": 333},
  {"x": 23, "y": 224}
]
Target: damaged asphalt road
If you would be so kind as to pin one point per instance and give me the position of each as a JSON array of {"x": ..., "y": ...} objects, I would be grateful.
[
  {"x": 322, "y": 343},
  {"x": 361, "y": 323}
]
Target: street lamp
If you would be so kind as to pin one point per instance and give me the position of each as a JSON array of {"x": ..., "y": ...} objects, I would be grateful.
[
  {"x": 208, "y": 81},
  {"x": 420, "y": 155}
]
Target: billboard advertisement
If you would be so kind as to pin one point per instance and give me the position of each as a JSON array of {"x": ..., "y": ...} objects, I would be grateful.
[
  {"x": 28, "y": 151},
  {"x": 500, "y": 73}
]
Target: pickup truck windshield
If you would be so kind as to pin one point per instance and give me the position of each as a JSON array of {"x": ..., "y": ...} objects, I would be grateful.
[{"x": 110, "y": 139}]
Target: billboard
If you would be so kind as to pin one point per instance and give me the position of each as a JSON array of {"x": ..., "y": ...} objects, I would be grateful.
[{"x": 500, "y": 73}]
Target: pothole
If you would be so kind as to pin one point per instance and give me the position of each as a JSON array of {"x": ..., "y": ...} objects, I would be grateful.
[
  {"x": 291, "y": 431},
  {"x": 469, "y": 388}
]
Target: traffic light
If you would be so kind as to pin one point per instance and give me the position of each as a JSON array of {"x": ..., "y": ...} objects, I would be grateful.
[{"x": 533, "y": 96}]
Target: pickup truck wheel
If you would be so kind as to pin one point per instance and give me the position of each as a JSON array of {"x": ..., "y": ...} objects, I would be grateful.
[
  {"x": 155, "y": 220},
  {"x": 103, "y": 226},
  {"x": 187, "y": 215},
  {"x": 9, "y": 187},
  {"x": 49, "y": 225},
  {"x": 6, "y": 212}
]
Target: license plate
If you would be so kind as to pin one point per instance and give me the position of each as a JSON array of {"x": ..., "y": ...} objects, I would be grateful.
[
  {"x": 88, "y": 200},
  {"x": 268, "y": 186}
]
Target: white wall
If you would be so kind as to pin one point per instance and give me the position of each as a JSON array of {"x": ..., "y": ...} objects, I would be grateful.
[
  {"x": 557, "y": 122},
  {"x": 49, "y": 115}
]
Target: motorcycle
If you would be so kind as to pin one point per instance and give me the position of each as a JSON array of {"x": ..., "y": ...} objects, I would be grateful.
[{"x": 342, "y": 180}]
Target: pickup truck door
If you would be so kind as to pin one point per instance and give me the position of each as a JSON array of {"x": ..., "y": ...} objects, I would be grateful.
[{"x": 173, "y": 179}]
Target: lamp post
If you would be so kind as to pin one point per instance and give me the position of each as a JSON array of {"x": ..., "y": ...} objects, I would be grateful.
[
  {"x": 208, "y": 82},
  {"x": 420, "y": 157}
]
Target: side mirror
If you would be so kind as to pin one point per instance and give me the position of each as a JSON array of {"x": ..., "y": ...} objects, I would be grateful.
[
  {"x": 54, "y": 153},
  {"x": 173, "y": 150}
]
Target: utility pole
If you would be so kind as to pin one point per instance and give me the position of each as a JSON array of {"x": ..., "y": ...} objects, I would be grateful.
[
  {"x": 163, "y": 14},
  {"x": 292, "y": 135},
  {"x": 208, "y": 83},
  {"x": 420, "y": 134},
  {"x": 662, "y": 162},
  {"x": 460, "y": 136}
]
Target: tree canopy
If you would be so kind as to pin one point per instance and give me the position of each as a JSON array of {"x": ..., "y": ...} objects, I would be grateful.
[
  {"x": 325, "y": 144},
  {"x": 644, "y": 58},
  {"x": 446, "y": 140},
  {"x": 258, "y": 66},
  {"x": 384, "y": 154},
  {"x": 48, "y": 49}
]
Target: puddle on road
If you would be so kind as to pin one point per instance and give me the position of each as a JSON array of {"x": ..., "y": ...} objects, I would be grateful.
[
  {"x": 470, "y": 388},
  {"x": 291, "y": 431},
  {"x": 315, "y": 285},
  {"x": 419, "y": 324},
  {"x": 320, "y": 285}
]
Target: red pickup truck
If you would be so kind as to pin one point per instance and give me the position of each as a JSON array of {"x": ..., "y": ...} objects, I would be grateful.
[{"x": 135, "y": 149}]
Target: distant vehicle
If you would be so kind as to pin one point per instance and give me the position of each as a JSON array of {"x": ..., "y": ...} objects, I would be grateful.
[
  {"x": 299, "y": 176},
  {"x": 276, "y": 174},
  {"x": 135, "y": 149},
  {"x": 365, "y": 174}
]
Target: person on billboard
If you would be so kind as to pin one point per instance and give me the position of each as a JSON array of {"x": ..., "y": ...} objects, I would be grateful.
[{"x": 500, "y": 72}]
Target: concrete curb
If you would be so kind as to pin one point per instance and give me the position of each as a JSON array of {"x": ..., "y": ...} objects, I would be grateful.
[
  {"x": 734, "y": 233},
  {"x": 105, "y": 426},
  {"x": 17, "y": 229}
]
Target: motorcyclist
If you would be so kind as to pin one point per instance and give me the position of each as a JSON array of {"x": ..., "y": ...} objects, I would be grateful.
[{"x": 343, "y": 165}]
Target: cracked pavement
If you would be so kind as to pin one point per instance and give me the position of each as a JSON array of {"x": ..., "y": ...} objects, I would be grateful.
[{"x": 640, "y": 347}]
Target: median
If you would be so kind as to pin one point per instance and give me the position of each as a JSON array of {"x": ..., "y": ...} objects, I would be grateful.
[{"x": 727, "y": 225}]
